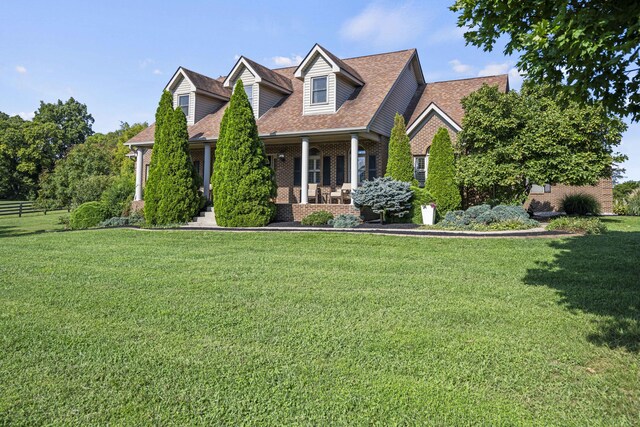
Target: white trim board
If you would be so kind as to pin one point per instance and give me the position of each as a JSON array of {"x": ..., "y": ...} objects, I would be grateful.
[{"x": 433, "y": 108}]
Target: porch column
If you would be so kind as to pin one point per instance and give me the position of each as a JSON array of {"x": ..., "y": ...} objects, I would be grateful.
[
  {"x": 304, "y": 196},
  {"x": 139, "y": 167},
  {"x": 207, "y": 170},
  {"x": 354, "y": 163}
]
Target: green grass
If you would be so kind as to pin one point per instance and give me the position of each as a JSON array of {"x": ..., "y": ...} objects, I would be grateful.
[
  {"x": 38, "y": 222},
  {"x": 163, "y": 327}
]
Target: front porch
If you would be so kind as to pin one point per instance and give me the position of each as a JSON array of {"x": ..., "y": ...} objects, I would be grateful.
[{"x": 323, "y": 163}]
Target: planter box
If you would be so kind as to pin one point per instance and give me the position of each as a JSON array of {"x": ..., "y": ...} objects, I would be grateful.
[{"x": 428, "y": 214}]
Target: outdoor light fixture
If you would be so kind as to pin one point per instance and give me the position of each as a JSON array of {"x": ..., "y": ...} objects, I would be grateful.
[{"x": 281, "y": 156}]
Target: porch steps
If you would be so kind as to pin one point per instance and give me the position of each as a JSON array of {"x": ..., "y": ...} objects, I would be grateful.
[{"x": 207, "y": 218}]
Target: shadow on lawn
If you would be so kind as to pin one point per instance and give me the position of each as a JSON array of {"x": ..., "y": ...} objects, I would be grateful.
[
  {"x": 598, "y": 275},
  {"x": 11, "y": 231}
]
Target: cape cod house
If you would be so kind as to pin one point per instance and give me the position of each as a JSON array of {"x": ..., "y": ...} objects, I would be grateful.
[{"x": 326, "y": 123}]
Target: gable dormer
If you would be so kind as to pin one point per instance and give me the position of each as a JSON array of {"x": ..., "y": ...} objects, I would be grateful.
[
  {"x": 264, "y": 87},
  {"x": 196, "y": 94},
  {"x": 328, "y": 81}
]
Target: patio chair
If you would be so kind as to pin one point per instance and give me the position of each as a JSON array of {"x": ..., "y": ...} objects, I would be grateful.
[
  {"x": 341, "y": 193},
  {"x": 314, "y": 193}
]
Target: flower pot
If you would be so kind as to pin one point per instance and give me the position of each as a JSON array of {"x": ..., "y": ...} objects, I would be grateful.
[{"x": 428, "y": 214}]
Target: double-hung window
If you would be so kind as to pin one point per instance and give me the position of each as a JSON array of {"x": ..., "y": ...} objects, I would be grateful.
[
  {"x": 249, "y": 91},
  {"x": 314, "y": 166},
  {"x": 183, "y": 103},
  {"x": 319, "y": 90}
]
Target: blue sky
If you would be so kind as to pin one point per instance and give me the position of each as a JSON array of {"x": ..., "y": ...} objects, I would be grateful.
[{"x": 117, "y": 56}]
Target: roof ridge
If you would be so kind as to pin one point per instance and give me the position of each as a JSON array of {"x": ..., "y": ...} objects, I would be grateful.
[
  {"x": 354, "y": 57},
  {"x": 468, "y": 78}
]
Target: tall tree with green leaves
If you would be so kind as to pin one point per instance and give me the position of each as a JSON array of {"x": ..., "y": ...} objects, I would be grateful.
[
  {"x": 171, "y": 193},
  {"x": 510, "y": 141},
  {"x": 400, "y": 162},
  {"x": 441, "y": 173},
  {"x": 71, "y": 118},
  {"x": 591, "y": 45},
  {"x": 243, "y": 182}
]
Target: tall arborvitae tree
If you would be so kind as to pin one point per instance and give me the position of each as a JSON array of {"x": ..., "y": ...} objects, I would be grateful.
[
  {"x": 243, "y": 183},
  {"x": 400, "y": 163},
  {"x": 441, "y": 173},
  {"x": 171, "y": 194}
]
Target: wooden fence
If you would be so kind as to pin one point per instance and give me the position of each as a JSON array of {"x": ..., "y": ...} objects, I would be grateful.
[{"x": 19, "y": 208}]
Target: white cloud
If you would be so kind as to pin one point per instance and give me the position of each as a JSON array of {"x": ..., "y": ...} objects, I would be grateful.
[
  {"x": 287, "y": 61},
  {"x": 157, "y": 72},
  {"x": 495, "y": 68},
  {"x": 459, "y": 67},
  {"x": 21, "y": 69},
  {"x": 385, "y": 25},
  {"x": 27, "y": 116},
  {"x": 515, "y": 78}
]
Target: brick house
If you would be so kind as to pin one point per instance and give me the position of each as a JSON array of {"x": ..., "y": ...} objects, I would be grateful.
[{"x": 327, "y": 122}]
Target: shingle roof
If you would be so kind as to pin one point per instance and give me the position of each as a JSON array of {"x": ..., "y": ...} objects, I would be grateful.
[
  {"x": 208, "y": 84},
  {"x": 379, "y": 72},
  {"x": 344, "y": 66},
  {"x": 270, "y": 75},
  {"x": 448, "y": 94}
]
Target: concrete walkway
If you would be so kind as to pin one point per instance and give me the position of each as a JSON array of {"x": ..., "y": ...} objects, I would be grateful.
[{"x": 531, "y": 233}]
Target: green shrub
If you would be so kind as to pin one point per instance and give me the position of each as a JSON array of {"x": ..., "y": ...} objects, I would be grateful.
[
  {"x": 633, "y": 205},
  {"x": 441, "y": 174},
  {"x": 345, "y": 221},
  {"x": 117, "y": 198},
  {"x": 620, "y": 207},
  {"x": 116, "y": 221},
  {"x": 384, "y": 196},
  {"x": 400, "y": 161},
  {"x": 243, "y": 182},
  {"x": 89, "y": 189},
  {"x": 87, "y": 215},
  {"x": 577, "y": 225},
  {"x": 484, "y": 217},
  {"x": 580, "y": 204},
  {"x": 420, "y": 197},
  {"x": 171, "y": 193},
  {"x": 317, "y": 218}
]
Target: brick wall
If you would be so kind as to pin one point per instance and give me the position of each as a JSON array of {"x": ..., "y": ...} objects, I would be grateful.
[
  {"x": 423, "y": 138},
  {"x": 295, "y": 212},
  {"x": 603, "y": 192}
]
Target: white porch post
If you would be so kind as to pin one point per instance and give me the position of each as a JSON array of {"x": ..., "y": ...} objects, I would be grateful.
[
  {"x": 139, "y": 167},
  {"x": 354, "y": 163},
  {"x": 304, "y": 196},
  {"x": 207, "y": 169}
]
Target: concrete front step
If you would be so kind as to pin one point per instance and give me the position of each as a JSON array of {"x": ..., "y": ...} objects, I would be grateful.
[{"x": 206, "y": 218}]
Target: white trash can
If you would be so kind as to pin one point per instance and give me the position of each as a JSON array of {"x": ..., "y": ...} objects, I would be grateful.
[{"x": 428, "y": 214}]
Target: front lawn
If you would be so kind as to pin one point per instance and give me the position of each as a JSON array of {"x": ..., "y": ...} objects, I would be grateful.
[{"x": 163, "y": 327}]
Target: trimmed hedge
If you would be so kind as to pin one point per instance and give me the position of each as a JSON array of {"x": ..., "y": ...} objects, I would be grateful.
[
  {"x": 580, "y": 204},
  {"x": 87, "y": 215},
  {"x": 441, "y": 180},
  {"x": 317, "y": 218}
]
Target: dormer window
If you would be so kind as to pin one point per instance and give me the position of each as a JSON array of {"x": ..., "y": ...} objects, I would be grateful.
[
  {"x": 183, "y": 103},
  {"x": 249, "y": 91},
  {"x": 319, "y": 90}
]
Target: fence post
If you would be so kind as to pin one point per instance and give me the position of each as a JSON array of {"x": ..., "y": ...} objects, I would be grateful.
[{"x": 20, "y": 211}]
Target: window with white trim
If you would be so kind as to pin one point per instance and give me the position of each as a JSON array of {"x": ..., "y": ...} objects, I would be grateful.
[
  {"x": 319, "y": 90},
  {"x": 183, "y": 103},
  {"x": 420, "y": 167},
  {"x": 249, "y": 91},
  {"x": 362, "y": 165},
  {"x": 314, "y": 166}
]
